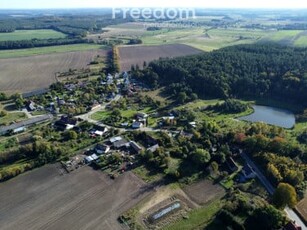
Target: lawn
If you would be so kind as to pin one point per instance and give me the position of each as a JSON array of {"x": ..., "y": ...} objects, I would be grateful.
[
  {"x": 198, "y": 218},
  {"x": 30, "y": 34},
  {"x": 48, "y": 50}
]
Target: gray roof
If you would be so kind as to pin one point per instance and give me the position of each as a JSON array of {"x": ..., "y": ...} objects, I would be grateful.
[{"x": 25, "y": 123}]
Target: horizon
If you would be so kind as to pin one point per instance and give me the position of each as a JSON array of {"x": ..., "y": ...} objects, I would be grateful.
[{"x": 102, "y": 4}]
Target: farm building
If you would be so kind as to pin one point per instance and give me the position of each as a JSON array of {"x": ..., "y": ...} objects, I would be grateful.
[{"x": 36, "y": 120}]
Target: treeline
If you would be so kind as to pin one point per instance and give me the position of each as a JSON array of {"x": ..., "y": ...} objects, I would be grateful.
[
  {"x": 257, "y": 71},
  {"x": 39, "y": 43},
  {"x": 76, "y": 26},
  {"x": 33, "y": 155}
]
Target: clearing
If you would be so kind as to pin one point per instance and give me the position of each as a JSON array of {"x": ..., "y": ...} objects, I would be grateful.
[
  {"x": 136, "y": 55},
  {"x": 31, "y": 73},
  {"x": 83, "y": 199},
  {"x": 31, "y": 34}
]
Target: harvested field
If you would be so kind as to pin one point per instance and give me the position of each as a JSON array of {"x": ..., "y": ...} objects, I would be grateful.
[
  {"x": 26, "y": 74},
  {"x": 83, "y": 199},
  {"x": 302, "y": 210},
  {"x": 203, "y": 191},
  {"x": 136, "y": 55}
]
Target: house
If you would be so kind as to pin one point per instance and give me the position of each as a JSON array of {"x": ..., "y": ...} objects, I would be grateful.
[
  {"x": 137, "y": 125},
  {"x": 65, "y": 123},
  {"x": 153, "y": 148},
  {"x": 30, "y": 106},
  {"x": 102, "y": 149},
  {"x": 88, "y": 159},
  {"x": 114, "y": 139},
  {"x": 232, "y": 165},
  {"x": 141, "y": 115},
  {"x": 119, "y": 142},
  {"x": 247, "y": 173},
  {"x": 292, "y": 226},
  {"x": 135, "y": 147}
]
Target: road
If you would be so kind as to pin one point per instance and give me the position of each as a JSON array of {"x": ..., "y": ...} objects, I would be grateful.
[{"x": 290, "y": 213}]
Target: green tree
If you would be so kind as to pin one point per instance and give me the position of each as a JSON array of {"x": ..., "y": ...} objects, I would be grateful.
[
  {"x": 182, "y": 97},
  {"x": 201, "y": 157},
  {"x": 285, "y": 195},
  {"x": 266, "y": 218},
  {"x": 71, "y": 135}
]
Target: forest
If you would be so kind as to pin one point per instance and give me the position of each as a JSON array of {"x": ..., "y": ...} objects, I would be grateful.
[{"x": 243, "y": 71}]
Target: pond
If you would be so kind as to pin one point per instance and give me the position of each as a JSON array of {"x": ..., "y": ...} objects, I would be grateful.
[{"x": 271, "y": 115}]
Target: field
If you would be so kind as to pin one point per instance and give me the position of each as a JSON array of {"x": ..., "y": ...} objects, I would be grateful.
[
  {"x": 47, "y": 50},
  {"x": 203, "y": 191},
  {"x": 83, "y": 199},
  {"x": 25, "y": 74},
  {"x": 30, "y": 34},
  {"x": 202, "y": 38},
  {"x": 132, "y": 55}
]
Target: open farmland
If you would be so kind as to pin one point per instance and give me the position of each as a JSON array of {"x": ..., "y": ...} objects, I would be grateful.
[
  {"x": 83, "y": 199},
  {"x": 30, "y": 34},
  {"x": 25, "y": 74},
  {"x": 136, "y": 55}
]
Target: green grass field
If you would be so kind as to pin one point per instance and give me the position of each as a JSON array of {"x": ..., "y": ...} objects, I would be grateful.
[
  {"x": 198, "y": 218},
  {"x": 30, "y": 34},
  {"x": 47, "y": 50}
]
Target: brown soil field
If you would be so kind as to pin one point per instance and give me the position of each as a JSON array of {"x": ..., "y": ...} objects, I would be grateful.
[
  {"x": 25, "y": 74},
  {"x": 132, "y": 55},
  {"x": 203, "y": 191},
  {"x": 302, "y": 209},
  {"x": 84, "y": 199}
]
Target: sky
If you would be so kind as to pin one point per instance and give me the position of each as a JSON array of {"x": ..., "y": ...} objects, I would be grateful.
[{"x": 51, "y": 4}]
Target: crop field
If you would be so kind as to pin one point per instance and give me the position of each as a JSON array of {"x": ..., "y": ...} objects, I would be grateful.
[
  {"x": 47, "y": 50},
  {"x": 25, "y": 74},
  {"x": 30, "y": 34},
  {"x": 136, "y": 55},
  {"x": 83, "y": 199}
]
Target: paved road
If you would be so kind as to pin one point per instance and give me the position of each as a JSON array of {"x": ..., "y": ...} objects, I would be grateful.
[{"x": 290, "y": 213}]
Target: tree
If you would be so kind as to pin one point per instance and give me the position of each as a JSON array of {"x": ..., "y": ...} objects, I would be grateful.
[
  {"x": 182, "y": 97},
  {"x": 201, "y": 157},
  {"x": 71, "y": 135},
  {"x": 266, "y": 218},
  {"x": 285, "y": 195}
]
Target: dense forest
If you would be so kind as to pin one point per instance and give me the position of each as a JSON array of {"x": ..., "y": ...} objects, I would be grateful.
[{"x": 243, "y": 71}]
